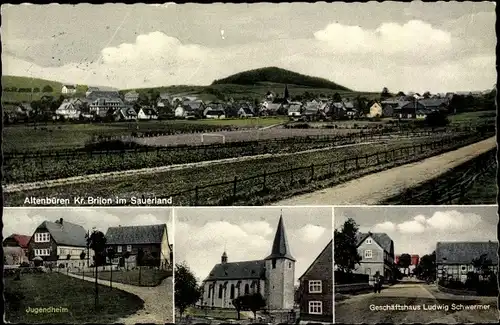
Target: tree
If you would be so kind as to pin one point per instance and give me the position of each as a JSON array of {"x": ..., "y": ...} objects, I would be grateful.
[
  {"x": 482, "y": 264},
  {"x": 187, "y": 291},
  {"x": 47, "y": 89},
  {"x": 97, "y": 242},
  {"x": 401, "y": 94},
  {"x": 427, "y": 266},
  {"x": 82, "y": 257},
  {"x": 110, "y": 252},
  {"x": 337, "y": 98},
  {"x": 346, "y": 246},
  {"x": 385, "y": 93},
  {"x": 427, "y": 94},
  {"x": 436, "y": 119},
  {"x": 253, "y": 302},
  {"x": 404, "y": 261}
]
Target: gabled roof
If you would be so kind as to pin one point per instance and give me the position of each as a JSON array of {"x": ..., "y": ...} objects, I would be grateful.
[
  {"x": 70, "y": 86},
  {"x": 327, "y": 250},
  {"x": 273, "y": 106},
  {"x": 465, "y": 252},
  {"x": 129, "y": 235},
  {"x": 433, "y": 102},
  {"x": 294, "y": 108},
  {"x": 93, "y": 95},
  {"x": 65, "y": 233},
  {"x": 21, "y": 240},
  {"x": 148, "y": 111},
  {"x": 238, "y": 270},
  {"x": 382, "y": 239},
  {"x": 193, "y": 105},
  {"x": 280, "y": 244}
]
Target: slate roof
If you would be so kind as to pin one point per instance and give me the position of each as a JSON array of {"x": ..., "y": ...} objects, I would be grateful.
[
  {"x": 432, "y": 102},
  {"x": 238, "y": 270},
  {"x": 380, "y": 238},
  {"x": 465, "y": 252},
  {"x": 67, "y": 233},
  {"x": 193, "y": 105},
  {"x": 93, "y": 95},
  {"x": 327, "y": 250},
  {"x": 294, "y": 108},
  {"x": 70, "y": 86},
  {"x": 273, "y": 106},
  {"x": 149, "y": 111},
  {"x": 280, "y": 243},
  {"x": 129, "y": 235}
]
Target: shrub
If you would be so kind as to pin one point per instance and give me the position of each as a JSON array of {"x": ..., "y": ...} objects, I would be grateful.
[
  {"x": 24, "y": 264},
  {"x": 488, "y": 287}
]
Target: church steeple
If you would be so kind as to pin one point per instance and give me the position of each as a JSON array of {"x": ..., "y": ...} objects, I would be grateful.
[
  {"x": 280, "y": 244},
  {"x": 286, "y": 95},
  {"x": 223, "y": 258}
]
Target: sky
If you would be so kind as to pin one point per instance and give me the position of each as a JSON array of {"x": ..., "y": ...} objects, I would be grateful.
[
  {"x": 405, "y": 46},
  {"x": 24, "y": 221},
  {"x": 202, "y": 235},
  {"x": 416, "y": 230}
]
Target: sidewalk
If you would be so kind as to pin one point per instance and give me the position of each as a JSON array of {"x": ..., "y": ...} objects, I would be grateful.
[{"x": 158, "y": 301}]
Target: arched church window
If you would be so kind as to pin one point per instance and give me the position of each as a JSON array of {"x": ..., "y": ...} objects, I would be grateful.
[
  {"x": 232, "y": 291},
  {"x": 247, "y": 289},
  {"x": 220, "y": 290},
  {"x": 274, "y": 263}
]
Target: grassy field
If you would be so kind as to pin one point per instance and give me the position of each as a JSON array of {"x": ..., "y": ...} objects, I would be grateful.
[
  {"x": 71, "y": 136},
  {"x": 473, "y": 118},
  {"x": 484, "y": 190},
  {"x": 58, "y": 290},
  {"x": 164, "y": 184},
  {"x": 149, "y": 277}
]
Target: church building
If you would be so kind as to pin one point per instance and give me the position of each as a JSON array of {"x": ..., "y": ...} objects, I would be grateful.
[{"x": 272, "y": 277}]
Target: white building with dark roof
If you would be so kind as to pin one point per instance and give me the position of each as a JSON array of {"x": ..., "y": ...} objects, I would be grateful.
[
  {"x": 377, "y": 255},
  {"x": 455, "y": 259},
  {"x": 272, "y": 277}
]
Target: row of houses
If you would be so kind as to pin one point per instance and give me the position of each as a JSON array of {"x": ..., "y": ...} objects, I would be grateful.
[
  {"x": 454, "y": 260},
  {"x": 62, "y": 243}
]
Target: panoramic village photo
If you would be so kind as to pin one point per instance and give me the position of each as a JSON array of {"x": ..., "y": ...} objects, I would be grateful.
[
  {"x": 405, "y": 265},
  {"x": 253, "y": 265},
  {"x": 83, "y": 265},
  {"x": 156, "y": 104}
]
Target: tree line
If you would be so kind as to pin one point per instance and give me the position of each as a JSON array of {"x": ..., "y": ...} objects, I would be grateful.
[{"x": 45, "y": 89}]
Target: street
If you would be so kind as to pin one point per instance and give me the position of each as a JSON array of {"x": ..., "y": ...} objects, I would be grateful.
[{"x": 414, "y": 302}]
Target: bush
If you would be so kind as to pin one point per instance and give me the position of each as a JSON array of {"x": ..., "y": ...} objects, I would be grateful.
[
  {"x": 488, "y": 287},
  {"x": 24, "y": 264},
  {"x": 105, "y": 144}
]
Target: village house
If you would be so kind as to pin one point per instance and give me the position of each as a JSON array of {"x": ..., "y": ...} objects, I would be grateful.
[
  {"x": 374, "y": 110},
  {"x": 214, "y": 111},
  {"x": 153, "y": 240},
  {"x": 189, "y": 110},
  {"x": 455, "y": 259},
  {"x": 147, "y": 113},
  {"x": 102, "y": 106},
  {"x": 70, "y": 109},
  {"x": 377, "y": 255},
  {"x": 316, "y": 289},
  {"x": 131, "y": 96},
  {"x": 272, "y": 277},
  {"x": 90, "y": 90},
  {"x": 59, "y": 243},
  {"x": 126, "y": 113},
  {"x": 15, "y": 249},
  {"x": 68, "y": 89},
  {"x": 434, "y": 104},
  {"x": 243, "y": 109},
  {"x": 295, "y": 110}
]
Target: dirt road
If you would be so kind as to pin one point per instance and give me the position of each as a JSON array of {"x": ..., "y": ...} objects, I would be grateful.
[
  {"x": 158, "y": 301},
  {"x": 415, "y": 303},
  {"x": 375, "y": 188}
]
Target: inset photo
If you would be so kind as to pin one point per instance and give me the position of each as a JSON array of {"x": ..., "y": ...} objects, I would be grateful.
[
  {"x": 266, "y": 265},
  {"x": 81, "y": 265},
  {"x": 416, "y": 264}
]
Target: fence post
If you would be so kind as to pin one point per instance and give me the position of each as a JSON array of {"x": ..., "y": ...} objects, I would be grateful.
[{"x": 312, "y": 172}]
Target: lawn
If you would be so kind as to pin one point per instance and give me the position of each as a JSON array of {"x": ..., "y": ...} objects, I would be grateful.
[
  {"x": 484, "y": 190},
  {"x": 164, "y": 184},
  {"x": 71, "y": 136},
  {"x": 58, "y": 290},
  {"x": 149, "y": 277},
  {"x": 473, "y": 118}
]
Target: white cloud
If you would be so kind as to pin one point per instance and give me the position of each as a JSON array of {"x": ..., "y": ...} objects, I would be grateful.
[
  {"x": 311, "y": 233},
  {"x": 390, "y": 38},
  {"x": 412, "y": 56},
  {"x": 412, "y": 226},
  {"x": 386, "y": 226},
  {"x": 453, "y": 221},
  {"x": 261, "y": 228}
]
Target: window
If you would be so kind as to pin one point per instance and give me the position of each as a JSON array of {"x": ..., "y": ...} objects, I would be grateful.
[
  {"x": 247, "y": 289},
  {"x": 368, "y": 253},
  {"x": 231, "y": 295},
  {"x": 289, "y": 265},
  {"x": 274, "y": 263},
  {"x": 220, "y": 290},
  {"x": 315, "y": 286},
  {"x": 369, "y": 241},
  {"x": 119, "y": 249},
  {"x": 42, "y": 237},
  {"x": 42, "y": 252},
  {"x": 129, "y": 248},
  {"x": 316, "y": 307}
]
